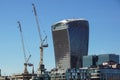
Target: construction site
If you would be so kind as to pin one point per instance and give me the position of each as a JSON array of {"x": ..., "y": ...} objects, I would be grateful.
[{"x": 72, "y": 61}]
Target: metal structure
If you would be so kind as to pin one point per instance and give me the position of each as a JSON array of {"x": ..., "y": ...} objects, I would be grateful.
[
  {"x": 25, "y": 57},
  {"x": 41, "y": 69}
]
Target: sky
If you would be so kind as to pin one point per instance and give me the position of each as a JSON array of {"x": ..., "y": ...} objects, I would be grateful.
[{"x": 104, "y": 24}]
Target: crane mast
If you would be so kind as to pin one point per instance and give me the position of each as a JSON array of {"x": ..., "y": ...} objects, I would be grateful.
[{"x": 41, "y": 68}]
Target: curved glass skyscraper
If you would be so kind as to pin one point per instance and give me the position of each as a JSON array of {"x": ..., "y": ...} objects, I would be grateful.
[{"x": 70, "y": 38}]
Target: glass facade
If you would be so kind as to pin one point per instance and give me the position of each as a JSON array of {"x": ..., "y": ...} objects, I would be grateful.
[
  {"x": 108, "y": 57},
  {"x": 61, "y": 48},
  {"x": 93, "y": 74},
  {"x": 70, "y": 38},
  {"x": 94, "y": 60},
  {"x": 110, "y": 74},
  {"x": 87, "y": 61}
]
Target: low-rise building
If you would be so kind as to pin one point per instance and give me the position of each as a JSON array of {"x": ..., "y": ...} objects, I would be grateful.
[
  {"x": 96, "y": 67},
  {"x": 93, "y": 74}
]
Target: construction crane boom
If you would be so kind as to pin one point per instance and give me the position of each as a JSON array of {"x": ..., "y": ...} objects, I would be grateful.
[
  {"x": 22, "y": 40},
  {"x": 23, "y": 46},
  {"x": 38, "y": 26},
  {"x": 41, "y": 68}
]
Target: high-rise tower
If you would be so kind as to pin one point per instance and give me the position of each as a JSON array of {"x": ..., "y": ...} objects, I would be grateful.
[{"x": 70, "y": 38}]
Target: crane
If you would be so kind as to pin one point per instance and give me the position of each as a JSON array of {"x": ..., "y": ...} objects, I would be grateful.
[
  {"x": 41, "y": 68},
  {"x": 23, "y": 46}
]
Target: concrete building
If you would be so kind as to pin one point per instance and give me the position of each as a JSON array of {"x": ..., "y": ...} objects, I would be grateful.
[{"x": 70, "y": 38}]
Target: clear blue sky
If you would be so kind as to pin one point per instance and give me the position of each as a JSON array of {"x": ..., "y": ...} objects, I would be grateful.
[{"x": 103, "y": 17}]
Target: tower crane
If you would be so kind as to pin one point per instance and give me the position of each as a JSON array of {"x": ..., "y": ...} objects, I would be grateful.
[
  {"x": 23, "y": 46},
  {"x": 41, "y": 68}
]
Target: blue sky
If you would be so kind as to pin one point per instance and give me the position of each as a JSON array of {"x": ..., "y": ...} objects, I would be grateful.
[{"x": 104, "y": 23}]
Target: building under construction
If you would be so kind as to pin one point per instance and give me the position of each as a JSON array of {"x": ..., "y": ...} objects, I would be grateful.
[{"x": 70, "y": 40}]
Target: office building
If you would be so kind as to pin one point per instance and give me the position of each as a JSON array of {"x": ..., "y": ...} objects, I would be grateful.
[
  {"x": 93, "y": 60},
  {"x": 108, "y": 57},
  {"x": 93, "y": 74},
  {"x": 70, "y": 39},
  {"x": 96, "y": 67}
]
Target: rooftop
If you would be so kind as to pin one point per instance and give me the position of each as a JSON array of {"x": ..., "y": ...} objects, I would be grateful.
[{"x": 69, "y": 20}]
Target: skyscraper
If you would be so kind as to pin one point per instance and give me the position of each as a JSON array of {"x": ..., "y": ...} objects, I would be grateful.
[{"x": 70, "y": 39}]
